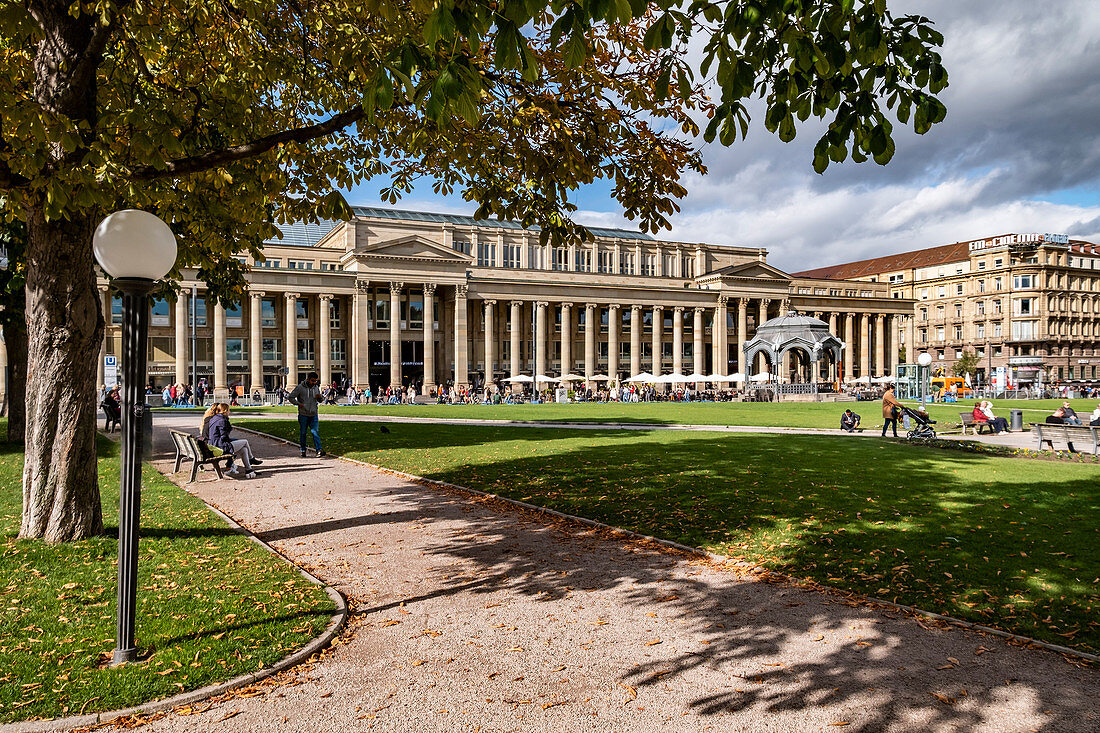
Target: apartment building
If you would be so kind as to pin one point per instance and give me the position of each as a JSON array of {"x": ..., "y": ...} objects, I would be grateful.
[{"x": 1029, "y": 303}]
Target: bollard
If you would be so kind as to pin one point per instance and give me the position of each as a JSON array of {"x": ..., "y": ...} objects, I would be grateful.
[{"x": 147, "y": 434}]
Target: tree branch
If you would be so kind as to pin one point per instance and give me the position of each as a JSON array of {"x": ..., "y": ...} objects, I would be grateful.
[{"x": 259, "y": 146}]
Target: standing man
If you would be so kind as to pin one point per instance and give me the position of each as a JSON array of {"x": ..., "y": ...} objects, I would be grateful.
[
  {"x": 891, "y": 410},
  {"x": 304, "y": 397},
  {"x": 200, "y": 393}
]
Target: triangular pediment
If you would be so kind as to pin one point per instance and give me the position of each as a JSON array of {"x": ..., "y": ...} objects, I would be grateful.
[
  {"x": 755, "y": 270},
  {"x": 413, "y": 246}
]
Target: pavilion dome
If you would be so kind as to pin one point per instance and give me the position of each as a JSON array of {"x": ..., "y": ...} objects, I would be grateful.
[{"x": 793, "y": 330}]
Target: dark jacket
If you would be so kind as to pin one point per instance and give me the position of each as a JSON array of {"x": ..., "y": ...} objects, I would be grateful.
[{"x": 219, "y": 429}]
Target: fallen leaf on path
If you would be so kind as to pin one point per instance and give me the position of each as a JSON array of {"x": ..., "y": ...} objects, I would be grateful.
[
  {"x": 653, "y": 642},
  {"x": 632, "y": 691},
  {"x": 227, "y": 716},
  {"x": 943, "y": 698},
  {"x": 840, "y": 723}
]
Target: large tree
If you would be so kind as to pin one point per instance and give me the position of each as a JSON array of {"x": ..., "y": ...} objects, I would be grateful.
[{"x": 225, "y": 117}]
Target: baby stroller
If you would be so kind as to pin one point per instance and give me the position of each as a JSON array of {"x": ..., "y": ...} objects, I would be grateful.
[{"x": 922, "y": 428}]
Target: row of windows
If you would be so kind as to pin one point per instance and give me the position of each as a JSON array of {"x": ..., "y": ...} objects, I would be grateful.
[
  {"x": 486, "y": 253},
  {"x": 162, "y": 349},
  {"x": 198, "y": 310}
]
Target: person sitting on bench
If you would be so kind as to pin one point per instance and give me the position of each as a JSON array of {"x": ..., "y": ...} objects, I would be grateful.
[
  {"x": 999, "y": 424},
  {"x": 112, "y": 409},
  {"x": 849, "y": 421},
  {"x": 216, "y": 428}
]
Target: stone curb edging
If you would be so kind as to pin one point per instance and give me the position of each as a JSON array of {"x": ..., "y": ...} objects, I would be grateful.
[
  {"x": 336, "y": 623},
  {"x": 699, "y": 552}
]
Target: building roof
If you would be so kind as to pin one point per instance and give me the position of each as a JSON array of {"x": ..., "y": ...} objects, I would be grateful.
[
  {"x": 928, "y": 257},
  {"x": 889, "y": 263},
  {"x": 303, "y": 234},
  {"x": 463, "y": 220}
]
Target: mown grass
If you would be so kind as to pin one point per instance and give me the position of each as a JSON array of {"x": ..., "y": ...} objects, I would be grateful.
[
  {"x": 211, "y": 604},
  {"x": 758, "y": 414},
  {"x": 1000, "y": 541}
]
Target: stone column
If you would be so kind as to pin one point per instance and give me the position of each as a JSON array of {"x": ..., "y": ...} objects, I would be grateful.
[
  {"x": 850, "y": 353},
  {"x": 462, "y": 338},
  {"x": 490, "y": 339},
  {"x": 894, "y": 326},
  {"x": 832, "y": 324},
  {"x": 181, "y": 339},
  {"x": 105, "y": 300},
  {"x": 614, "y": 322},
  {"x": 658, "y": 327},
  {"x": 221, "y": 377},
  {"x": 360, "y": 345},
  {"x": 635, "y": 340},
  {"x": 589, "y": 341},
  {"x": 256, "y": 342},
  {"x": 566, "y": 337},
  {"x": 742, "y": 335},
  {"x": 540, "y": 340},
  {"x": 324, "y": 340},
  {"x": 429, "y": 338},
  {"x": 718, "y": 336},
  {"x": 678, "y": 339},
  {"x": 762, "y": 313},
  {"x": 864, "y": 345},
  {"x": 395, "y": 333},
  {"x": 698, "y": 340},
  {"x": 290, "y": 355},
  {"x": 515, "y": 337},
  {"x": 880, "y": 343}
]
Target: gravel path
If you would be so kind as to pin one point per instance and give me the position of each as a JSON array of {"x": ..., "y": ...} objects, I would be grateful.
[{"x": 468, "y": 615}]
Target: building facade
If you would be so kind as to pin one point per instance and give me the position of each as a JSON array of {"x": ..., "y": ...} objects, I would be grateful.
[
  {"x": 1027, "y": 303},
  {"x": 396, "y": 297}
]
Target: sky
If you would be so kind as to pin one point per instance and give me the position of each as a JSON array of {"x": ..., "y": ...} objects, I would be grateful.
[{"x": 1019, "y": 151}]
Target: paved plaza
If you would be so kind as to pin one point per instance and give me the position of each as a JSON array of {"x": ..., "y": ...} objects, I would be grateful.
[{"x": 469, "y": 615}]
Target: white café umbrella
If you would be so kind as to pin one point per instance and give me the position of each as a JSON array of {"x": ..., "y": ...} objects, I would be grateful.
[
  {"x": 887, "y": 379},
  {"x": 600, "y": 378},
  {"x": 570, "y": 377},
  {"x": 735, "y": 377},
  {"x": 641, "y": 377},
  {"x": 520, "y": 378},
  {"x": 861, "y": 380},
  {"x": 544, "y": 378},
  {"x": 696, "y": 377},
  {"x": 761, "y": 377},
  {"x": 675, "y": 378}
]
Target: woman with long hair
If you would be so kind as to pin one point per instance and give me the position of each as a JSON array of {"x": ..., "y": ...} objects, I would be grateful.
[{"x": 217, "y": 429}]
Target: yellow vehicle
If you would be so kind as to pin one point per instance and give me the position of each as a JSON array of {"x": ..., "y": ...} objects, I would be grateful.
[{"x": 947, "y": 386}]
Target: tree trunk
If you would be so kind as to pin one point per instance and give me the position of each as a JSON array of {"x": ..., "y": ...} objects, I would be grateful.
[
  {"x": 64, "y": 328},
  {"x": 15, "y": 337}
]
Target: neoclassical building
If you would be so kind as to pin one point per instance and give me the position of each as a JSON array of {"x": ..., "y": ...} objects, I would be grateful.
[{"x": 398, "y": 297}]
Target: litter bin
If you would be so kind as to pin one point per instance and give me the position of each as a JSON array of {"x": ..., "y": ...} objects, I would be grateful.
[
  {"x": 1016, "y": 421},
  {"x": 147, "y": 433}
]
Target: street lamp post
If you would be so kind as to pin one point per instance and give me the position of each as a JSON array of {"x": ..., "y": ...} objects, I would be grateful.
[
  {"x": 136, "y": 249},
  {"x": 924, "y": 360}
]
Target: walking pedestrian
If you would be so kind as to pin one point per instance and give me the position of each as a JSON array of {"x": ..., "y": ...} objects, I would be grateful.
[
  {"x": 305, "y": 397},
  {"x": 891, "y": 410}
]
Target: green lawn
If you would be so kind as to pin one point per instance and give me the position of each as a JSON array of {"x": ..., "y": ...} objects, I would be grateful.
[
  {"x": 999, "y": 541},
  {"x": 761, "y": 414},
  {"x": 211, "y": 604}
]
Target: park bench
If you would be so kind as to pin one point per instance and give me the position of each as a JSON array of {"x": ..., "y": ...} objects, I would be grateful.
[
  {"x": 1068, "y": 434},
  {"x": 113, "y": 419},
  {"x": 198, "y": 452},
  {"x": 967, "y": 420}
]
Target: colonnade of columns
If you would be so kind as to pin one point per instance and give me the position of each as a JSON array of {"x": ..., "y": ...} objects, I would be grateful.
[{"x": 873, "y": 339}]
